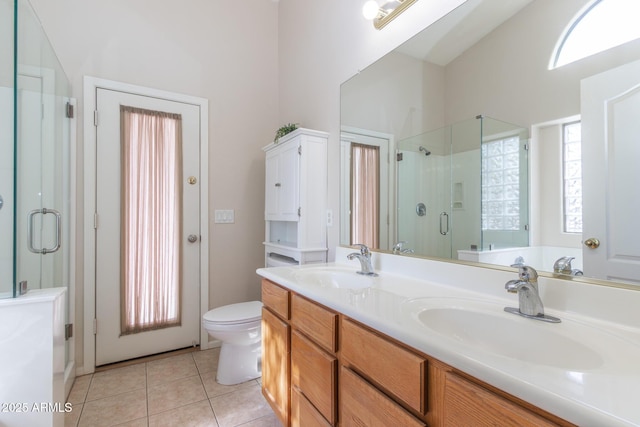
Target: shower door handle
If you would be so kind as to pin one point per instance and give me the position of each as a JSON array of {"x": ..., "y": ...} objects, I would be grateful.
[
  {"x": 30, "y": 244},
  {"x": 444, "y": 229}
]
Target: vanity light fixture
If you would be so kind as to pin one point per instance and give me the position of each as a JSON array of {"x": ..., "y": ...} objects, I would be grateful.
[{"x": 385, "y": 13}]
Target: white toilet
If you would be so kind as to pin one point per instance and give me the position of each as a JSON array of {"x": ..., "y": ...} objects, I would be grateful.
[{"x": 238, "y": 327}]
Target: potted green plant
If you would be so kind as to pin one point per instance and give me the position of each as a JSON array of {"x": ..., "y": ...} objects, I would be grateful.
[{"x": 284, "y": 130}]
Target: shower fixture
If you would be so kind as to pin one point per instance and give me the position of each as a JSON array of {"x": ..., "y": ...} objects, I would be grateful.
[{"x": 424, "y": 150}]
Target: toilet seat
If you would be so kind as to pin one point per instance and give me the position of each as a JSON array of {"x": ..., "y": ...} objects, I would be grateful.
[{"x": 235, "y": 314}]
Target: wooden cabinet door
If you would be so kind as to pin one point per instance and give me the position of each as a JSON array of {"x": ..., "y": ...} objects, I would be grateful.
[
  {"x": 468, "y": 404},
  {"x": 276, "y": 374}
]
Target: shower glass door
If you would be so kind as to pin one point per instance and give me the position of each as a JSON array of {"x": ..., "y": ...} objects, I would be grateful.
[
  {"x": 42, "y": 163},
  {"x": 424, "y": 193}
]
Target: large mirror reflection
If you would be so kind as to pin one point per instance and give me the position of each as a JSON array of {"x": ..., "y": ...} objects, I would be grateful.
[{"x": 488, "y": 137}]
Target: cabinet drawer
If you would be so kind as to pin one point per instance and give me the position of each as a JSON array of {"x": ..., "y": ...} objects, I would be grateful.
[
  {"x": 276, "y": 298},
  {"x": 315, "y": 321},
  {"x": 303, "y": 414},
  {"x": 467, "y": 403},
  {"x": 391, "y": 367},
  {"x": 314, "y": 372},
  {"x": 363, "y": 405}
]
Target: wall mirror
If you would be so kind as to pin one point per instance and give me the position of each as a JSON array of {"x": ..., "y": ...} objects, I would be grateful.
[{"x": 464, "y": 143}]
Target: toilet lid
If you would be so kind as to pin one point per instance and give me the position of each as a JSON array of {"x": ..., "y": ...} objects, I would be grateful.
[{"x": 235, "y": 313}]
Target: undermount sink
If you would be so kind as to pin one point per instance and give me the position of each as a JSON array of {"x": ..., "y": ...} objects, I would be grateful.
[
  {"x": 334, "y": 277},
  {"x": 486, "y": 327}
]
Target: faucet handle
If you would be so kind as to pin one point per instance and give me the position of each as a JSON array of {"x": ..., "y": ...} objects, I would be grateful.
[
  {"x": 364, "y": 250},
  {"x": 563, "y": 265},
  {"x": 397, "y": 248},
  {"x": 518, "y": 262},
  {"x": 526, "y": 273}
]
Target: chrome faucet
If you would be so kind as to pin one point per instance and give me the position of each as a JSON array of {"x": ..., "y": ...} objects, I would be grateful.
[
  {"x": 398, "y": 248},
  {"x": 526, "y": 286},
  {"x": 563, "y": 266},
  {"x": 364, "y": 256}
]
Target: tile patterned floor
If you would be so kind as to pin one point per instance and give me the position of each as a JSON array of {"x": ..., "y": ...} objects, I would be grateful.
[{"x": 179, "y": 390}]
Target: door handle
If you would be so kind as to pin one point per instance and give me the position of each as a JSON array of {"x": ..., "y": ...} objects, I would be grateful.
[
  {"x": 444, "y": 230},
  {"x": 592, "y": 243},
  {"x": 30, "y": 244},
  {"x": 192, "y": 238}
]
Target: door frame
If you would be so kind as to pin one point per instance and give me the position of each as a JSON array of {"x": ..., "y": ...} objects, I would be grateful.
[{"x": 91, "y": 85}]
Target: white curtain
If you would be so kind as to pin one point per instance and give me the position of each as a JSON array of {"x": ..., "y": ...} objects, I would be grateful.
[
  {"x": 365, "y": 195},
  {"x": 151, "y": 222}
]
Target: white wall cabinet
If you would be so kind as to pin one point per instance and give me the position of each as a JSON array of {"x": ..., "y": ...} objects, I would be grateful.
[
  {"x": 296, "y": 198},
  {"x": 282, "y": 183}
]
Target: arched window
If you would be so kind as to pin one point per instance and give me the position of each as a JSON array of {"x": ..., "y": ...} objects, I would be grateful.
[{"x": 600, "y": 25}]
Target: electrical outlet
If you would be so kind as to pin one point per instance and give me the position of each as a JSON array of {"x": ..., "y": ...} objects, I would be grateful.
[
  {"x": 329, "y": 218},
  {"x": 224, "y": 216}
]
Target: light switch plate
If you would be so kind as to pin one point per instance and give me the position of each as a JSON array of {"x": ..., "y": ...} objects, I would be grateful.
[
  {"x": 224, "y": 216},
  {"x": 329, "y": 218}
]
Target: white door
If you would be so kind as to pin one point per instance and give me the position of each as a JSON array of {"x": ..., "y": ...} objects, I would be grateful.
[
  {"x": 611, "y": 176},
  {"x": 111, "y": 346}
]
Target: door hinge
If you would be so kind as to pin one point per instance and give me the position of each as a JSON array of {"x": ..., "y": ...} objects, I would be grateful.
[
  {"x": 299, "y": 211},
  {"x": 95, "y": 220},
  {"x": 399, "y": 157},
  {"x": 300, "y": 150},
  {"x": 68, "y": 331},
  {"x": 95, "y": 326},
  {"x": 69, "y": 110},
  {"x": 95, "y": 117}
]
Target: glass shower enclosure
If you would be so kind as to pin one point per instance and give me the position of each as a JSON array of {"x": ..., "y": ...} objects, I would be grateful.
[
  {"x": 35, "y": 135},
  {"x": 463, "y": 187}
]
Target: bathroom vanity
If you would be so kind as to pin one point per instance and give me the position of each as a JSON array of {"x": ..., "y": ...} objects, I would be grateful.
[{"x": 433, "y": 346}]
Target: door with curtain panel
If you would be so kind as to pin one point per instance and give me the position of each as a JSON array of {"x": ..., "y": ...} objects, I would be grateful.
[
  {"x": 147, "y": 225},
  {"x": 365, "y": 201}
]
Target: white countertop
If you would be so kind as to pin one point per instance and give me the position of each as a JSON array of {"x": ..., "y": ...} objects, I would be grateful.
[{"x": 602, "y": 394}]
